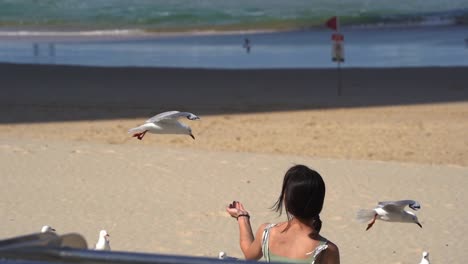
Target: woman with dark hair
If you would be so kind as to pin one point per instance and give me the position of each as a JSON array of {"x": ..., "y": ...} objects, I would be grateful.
[{"x": 297, "y": 240}]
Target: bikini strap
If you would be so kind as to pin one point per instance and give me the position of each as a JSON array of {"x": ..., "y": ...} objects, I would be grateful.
[
  {"x": 265, "y": 238},
  {"x": 321, "y": 247}
]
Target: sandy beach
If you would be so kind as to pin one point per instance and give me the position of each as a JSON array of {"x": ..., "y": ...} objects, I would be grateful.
[{"x": 66, "y": 159}]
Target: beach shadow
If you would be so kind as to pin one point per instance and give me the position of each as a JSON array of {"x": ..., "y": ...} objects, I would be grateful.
[{"x": 47, "y": 93}]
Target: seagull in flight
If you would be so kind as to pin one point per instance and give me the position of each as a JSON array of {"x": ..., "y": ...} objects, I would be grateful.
[
  {"x": 390, "y": 211},
  {"x": 165, "y": 123}
]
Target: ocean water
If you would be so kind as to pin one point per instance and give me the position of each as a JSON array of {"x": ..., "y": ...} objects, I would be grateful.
[
  {"x": 382, "y": 47},
  {"x": 175, "y": 15},
  {"x": 210, "y": 33}
]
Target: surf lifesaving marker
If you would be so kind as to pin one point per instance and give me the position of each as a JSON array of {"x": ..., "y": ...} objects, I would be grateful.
[{"x": 337, "y": 47}]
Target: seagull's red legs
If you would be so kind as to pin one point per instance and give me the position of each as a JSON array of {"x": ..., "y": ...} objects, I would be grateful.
[
  {"x": 372, "y": 222},
  {"x": 140, "y": 135}
]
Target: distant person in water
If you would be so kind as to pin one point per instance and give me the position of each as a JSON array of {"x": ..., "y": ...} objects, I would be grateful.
[
  {"x": 298, "y": 239},
  {"x": 247, "y": 45}
]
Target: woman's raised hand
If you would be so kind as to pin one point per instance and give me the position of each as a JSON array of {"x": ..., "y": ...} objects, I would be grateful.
[{"x": 236, "y": 210}]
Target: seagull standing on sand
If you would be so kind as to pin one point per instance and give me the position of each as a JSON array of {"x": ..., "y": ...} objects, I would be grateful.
[
  {"x": 425, "y": 258},
  {"x": 165, "y": 123},
  {"x": 223, "y": 255},
  {"x": 391, "y": 211},
  {"x": 46, "y": 229},
  {"x": 103, "y": 241}
]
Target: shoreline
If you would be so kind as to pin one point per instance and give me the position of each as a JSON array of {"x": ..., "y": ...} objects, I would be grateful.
[
  {"x": 58, "y": 36},
  {"x": 118, "y": 34}
]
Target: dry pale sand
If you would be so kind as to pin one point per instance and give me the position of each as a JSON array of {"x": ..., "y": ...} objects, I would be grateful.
[
  {"x": 171, "y": 200},
  {"x": 66, "y": 159}
]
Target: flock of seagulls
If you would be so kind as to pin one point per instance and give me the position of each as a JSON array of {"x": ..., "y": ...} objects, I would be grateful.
[
  {"x": 163, "y": 123},
  {"x": 168, "y": 123},
  {"x": 389, "y": 211},
  {"x": 103, "y": 242}
]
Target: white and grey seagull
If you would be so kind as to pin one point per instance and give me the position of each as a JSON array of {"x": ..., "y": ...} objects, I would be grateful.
[
  {"x": 390, "y": 211},
  {"x": 103, "y": 241},
  {"x": 47, "y": 228},
  {"x": 425, "y": 258},
  {"x": 165, "y": 123}
]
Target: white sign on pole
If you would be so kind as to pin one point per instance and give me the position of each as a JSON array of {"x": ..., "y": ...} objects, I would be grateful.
[{"x": 337, "y": 47}]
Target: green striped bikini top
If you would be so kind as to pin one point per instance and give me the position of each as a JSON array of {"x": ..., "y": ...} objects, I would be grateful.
[{"x": 270, "y": 257}]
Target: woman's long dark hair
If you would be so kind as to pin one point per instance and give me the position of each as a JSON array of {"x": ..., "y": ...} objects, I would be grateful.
[{"x": 302, "y": 194}]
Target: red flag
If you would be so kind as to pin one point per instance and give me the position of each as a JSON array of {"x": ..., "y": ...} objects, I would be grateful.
[{"x": 332, "y": 23}]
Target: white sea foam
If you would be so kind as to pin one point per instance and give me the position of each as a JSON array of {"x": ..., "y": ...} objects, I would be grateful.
[{"x": 31, "y": 33}]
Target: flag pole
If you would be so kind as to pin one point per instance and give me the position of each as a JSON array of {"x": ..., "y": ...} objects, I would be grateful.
[
  {"x": 339, "y": 59},
  {"x": 339, "y": 78},
  {"x": 337, "y": 49}
]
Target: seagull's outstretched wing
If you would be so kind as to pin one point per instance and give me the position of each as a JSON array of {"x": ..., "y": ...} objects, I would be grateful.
[
  {"x": 400, "y": 205},
  {"x": 171, "y": 115}
]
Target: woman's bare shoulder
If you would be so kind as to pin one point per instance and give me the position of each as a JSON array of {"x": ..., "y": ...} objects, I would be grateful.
[
  {"x": 332, "y": 246},
  {"x": 262, "y": 227},
  {"x": 332, "y": 254}
]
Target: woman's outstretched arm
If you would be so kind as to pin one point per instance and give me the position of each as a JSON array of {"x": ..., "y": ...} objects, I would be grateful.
[{"x": 250, "y": 246}]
